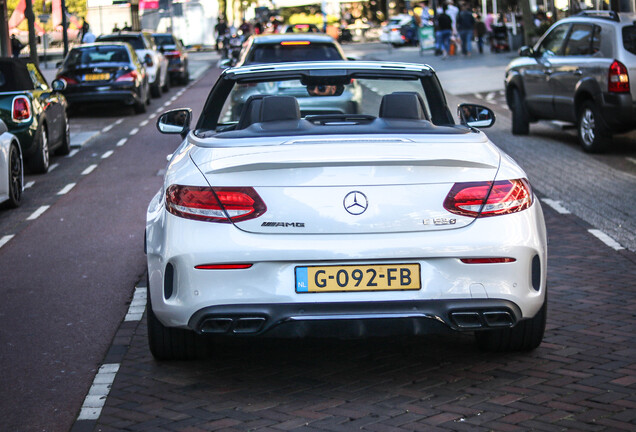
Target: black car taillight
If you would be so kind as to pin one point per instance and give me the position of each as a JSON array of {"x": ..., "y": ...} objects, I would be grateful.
[
  {"x": 130, "y": 76},
  {"x": 483, "y": 199},
  {"x": 68, "y": 80},
  {"x": 21, "y": 109},
  {"x": 214, "y": 204}
]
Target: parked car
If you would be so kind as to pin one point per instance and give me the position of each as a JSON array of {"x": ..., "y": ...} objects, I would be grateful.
[
  {"x": 177, "y": 56},
  {"x": 34, "y": 112},
  {"x": 104, "y": 72},
  {"x": 399, "y": 30},
  {"x": 300, "y": 28},
  {"x": 283, "y": 48},
  {"x": 578, "y": 72},
  {"x": 156, "y": 63},
  {"x": 11, "y": 168},
  {"x": 392, "y": 221}
]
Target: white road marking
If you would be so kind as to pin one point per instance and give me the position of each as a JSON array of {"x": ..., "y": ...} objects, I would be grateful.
[
  {"x": 632, "y": 160},
  {"x": 29, "y": 184},
  {"x": 478, "y": 95},
  {"x": 36, "y": 214},
  {"x": 52, "y": 167},
  {"x": 134, "y": 131},
  {"x": 5, "y": 239},
  {"x": 107, "y": 154},
  {"x": 121, "y": 142},
  {"x": 143, "y": 123},
  {"x": 66, "y": 189},
  {"x": 89, "y": 169},
  {"x": 137, "y": 306},
  {"x": 606, "y": 239},
  {"x": 107, "y": 128},
  {"x": 490, "y": 96},
  {"x": 166, "y": 104},
  {"x": 556, "y": 205},
  {"x": 97, "y": 394},
  {"x": 159, "y": 111},
  {"x": 72, "y": 153},
  {"x": 118, "y": 122},
  {"x": 151, "y": 117}
]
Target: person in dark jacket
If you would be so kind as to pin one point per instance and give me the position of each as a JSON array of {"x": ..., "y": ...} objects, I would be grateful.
[
  {"x": 466, "y": 28},
  {"x": 443, "y": 31},
  {"x": 480, "y": 32},
  {"x": 16, "y": 46}
]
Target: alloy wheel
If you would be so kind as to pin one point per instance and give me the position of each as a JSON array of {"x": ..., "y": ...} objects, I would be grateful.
[
  {"x": 587, "y": 127},
  {"x": 16, "y": 176}
]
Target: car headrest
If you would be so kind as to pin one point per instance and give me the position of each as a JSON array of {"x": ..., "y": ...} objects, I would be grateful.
[
  {"x": 278, "y": 108},
  {"x": 402, "y": 105},
  {"x": 251, "y": 111}
]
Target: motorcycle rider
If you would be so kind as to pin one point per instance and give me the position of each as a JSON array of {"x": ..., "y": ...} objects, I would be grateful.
[{"x": 220, "y": 29}]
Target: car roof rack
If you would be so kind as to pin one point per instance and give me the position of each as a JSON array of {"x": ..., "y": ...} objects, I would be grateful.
[{"x": 603, "y": 14}]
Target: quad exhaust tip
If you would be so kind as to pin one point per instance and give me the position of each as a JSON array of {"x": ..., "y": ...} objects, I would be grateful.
[{"x": 475, "y": 320}]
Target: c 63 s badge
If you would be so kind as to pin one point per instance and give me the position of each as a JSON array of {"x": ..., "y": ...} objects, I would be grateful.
[
  {"x": 284, "y": 224},
  {"x": 440, "y": 221}
]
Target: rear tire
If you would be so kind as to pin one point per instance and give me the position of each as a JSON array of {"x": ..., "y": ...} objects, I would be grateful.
[
  {"x": 155, "y": 89},
  {"x": 65, "y": 148},
  {"x": 525, "y": 336},
  {"x": 172, "y": 343},
  {"x": 39, "y": 164},
  {"x": 593, "y": 136},
  {"x": 15, "y": 177},
  {"x": 520, "y": 120},
  {"x": 166, "y": 84}
]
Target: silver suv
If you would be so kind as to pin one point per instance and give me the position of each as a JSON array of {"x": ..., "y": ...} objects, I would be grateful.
[{"x": 578, "y": 72}]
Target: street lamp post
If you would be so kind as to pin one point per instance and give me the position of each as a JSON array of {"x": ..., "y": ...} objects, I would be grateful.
[{"x": 64, "y": 28}]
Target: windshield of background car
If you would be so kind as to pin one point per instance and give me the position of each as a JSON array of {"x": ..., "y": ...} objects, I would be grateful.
[
  {"x": 97, "y": 54},
  {"x": 629, "y": 38},
  {"x": 360, "y": 96},
  {"x": 551, "y": 45},
  {"x": 136, "y": 41},
  {"x": 164, "y": 40},
  {"x": 292, "y": 51}
]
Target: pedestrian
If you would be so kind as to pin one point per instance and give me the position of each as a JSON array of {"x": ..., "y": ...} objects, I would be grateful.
[
  {"x": 16, "y": 46},
  {"x": 444, "y": 31},
  {"x": 466, "y": 28},
  {"x": 220, "y": 29},
  {"x": 126, "y": 27},
  {"x": 88, "y": 37},
  {"x": 116, "y": 29},
  {"x": 245, "y": 28},
  {"x": 480, "y": 33}
]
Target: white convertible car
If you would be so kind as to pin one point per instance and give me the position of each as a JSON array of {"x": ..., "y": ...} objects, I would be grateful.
[{"x": 390, "y": 221}]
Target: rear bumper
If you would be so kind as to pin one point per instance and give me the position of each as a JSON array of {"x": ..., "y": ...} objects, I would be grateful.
[
  {"x": 619, "y": 112},
  {"x": 127, "y": 97},
  {"x": 360, "y": 319}
]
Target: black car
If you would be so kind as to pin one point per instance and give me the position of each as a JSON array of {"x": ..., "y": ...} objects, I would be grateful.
[
  {"x": 578, "y": 72},
  {"x": 105, "y": 72},
  {"x": 34, "y": 112},
  {"x": 173, "y": 49},
  {"x": 281, "y": 48}
]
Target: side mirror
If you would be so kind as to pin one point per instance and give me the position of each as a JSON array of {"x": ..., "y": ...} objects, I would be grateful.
[
  {"x": 475, "y": 115},
  {"x": 58, "y": 64},
  {"x": 175, "y": 121},
  {"x": 58, "y": 85},
  {"x": 225, "y": 63},
  {"x": 526, "y": 51},
  {"x": 3, "y": 127}
]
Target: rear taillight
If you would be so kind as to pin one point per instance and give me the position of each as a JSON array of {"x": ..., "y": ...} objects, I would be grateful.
[
  {"x": 487, "y": 260},
  {"x": 217, "y": 204},
  {"x": 223, "y": 266},
  {"x": 172, "y": 54},
  {"x": 483, "y": 199},
  {"x": 130, "y": 76},
  {"x": 68, "y": 80},
  {"x": 21, "y": 109},
  {"x": 618, "y": 80}
]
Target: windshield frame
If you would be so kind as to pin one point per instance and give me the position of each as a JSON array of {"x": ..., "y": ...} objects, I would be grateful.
[{"x": 211, "y": 113}]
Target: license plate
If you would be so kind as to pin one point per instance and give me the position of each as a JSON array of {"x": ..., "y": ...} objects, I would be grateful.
[
  {"x": 381, "y": 277},
  {"x": 97, "y": 77}
]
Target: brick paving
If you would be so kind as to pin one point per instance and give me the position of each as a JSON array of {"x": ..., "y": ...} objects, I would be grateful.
[{"x": 583, "y": 377}]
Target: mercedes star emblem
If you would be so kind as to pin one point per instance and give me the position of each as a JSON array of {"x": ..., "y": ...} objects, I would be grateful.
[{"x": 355, "y": 202}]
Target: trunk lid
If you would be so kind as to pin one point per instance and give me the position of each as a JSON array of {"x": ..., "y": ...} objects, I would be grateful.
[{"x": 352, "y": 185}]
